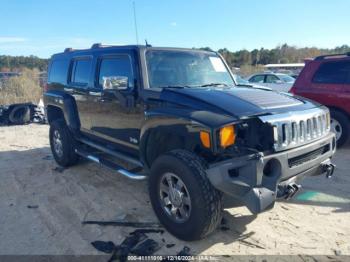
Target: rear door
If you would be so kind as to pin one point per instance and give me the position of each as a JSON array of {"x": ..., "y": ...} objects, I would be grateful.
[
  {"x": 346, "y": 89},
  {"x": 78, "y": 86},
  {"x": 329, "y": 84}
]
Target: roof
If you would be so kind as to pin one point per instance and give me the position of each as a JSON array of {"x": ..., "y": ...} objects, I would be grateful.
[
  {"x": 285, "y": 65},
  {"x": 111, "y": 47},
  {"x": 332, "y": 56}
]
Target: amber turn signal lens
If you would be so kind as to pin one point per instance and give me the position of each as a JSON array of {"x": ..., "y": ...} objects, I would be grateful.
[
  {"x": 227, "y": 136},
  {"x": 205, "y": 138}
]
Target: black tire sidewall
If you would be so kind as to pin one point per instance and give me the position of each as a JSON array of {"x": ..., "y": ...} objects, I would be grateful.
[
  {"x": 68, "y": 157},
  {"x": 20, "y": 115},
  {"x": 192, "y": 228},
  {"x": 345, "y": 124}
]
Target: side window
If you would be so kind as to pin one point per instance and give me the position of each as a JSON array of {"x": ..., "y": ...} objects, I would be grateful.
[
  {"x": 332, "y": 73},
  {"x": 257, "y": 79},
  {"x": 58, "y": 71},
  {"x": 81, "y": 71},
  {"x": 271, "y": 79},
  {"x": 116, "y": 66}
]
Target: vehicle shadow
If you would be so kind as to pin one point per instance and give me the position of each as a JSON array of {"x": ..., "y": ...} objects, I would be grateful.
[
  {"x": 66, "y": 197},
  {"x": 55, "y": 201}
]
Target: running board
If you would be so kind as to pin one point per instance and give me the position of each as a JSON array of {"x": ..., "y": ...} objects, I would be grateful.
[
  {"x": 112, "y": 152},
  {"x": 110, "y": 165}
]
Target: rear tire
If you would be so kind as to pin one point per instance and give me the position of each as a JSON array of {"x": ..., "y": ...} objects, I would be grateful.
[
  {"x": 340, "y": 125},
  {"x": 204, "y": 202},
  {"x": 62, "y": 144}
]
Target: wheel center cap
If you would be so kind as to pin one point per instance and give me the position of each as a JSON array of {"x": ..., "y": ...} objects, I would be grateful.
[{"x": 176, "y": 197}]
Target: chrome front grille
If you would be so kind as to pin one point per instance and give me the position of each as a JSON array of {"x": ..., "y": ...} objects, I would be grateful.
[{"x": 298, "y": 128}]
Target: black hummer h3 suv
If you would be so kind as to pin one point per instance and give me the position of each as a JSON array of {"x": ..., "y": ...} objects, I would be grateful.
[{"x": 178, "y": 115}]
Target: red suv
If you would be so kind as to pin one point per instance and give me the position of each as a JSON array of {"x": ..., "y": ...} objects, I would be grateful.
[{"x": 326, "y": 79}]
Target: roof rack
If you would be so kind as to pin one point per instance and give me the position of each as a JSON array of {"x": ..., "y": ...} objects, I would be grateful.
[
  {"x": 321, "y": 57},
  {"x": 94, "y": 46},
  {"x": 98, "y": 45}
]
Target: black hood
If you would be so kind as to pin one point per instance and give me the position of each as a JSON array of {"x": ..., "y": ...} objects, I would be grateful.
[{"x": 238, "y": 102}]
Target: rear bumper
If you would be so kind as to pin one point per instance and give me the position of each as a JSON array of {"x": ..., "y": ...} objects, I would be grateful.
[{"x": 257, "y": 179}]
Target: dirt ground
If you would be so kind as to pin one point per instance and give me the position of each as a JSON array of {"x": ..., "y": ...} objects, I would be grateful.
[{"x": 317, "y": 221}]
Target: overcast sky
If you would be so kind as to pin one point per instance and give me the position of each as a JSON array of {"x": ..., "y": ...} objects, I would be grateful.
[{"x": 42, "y": 27}]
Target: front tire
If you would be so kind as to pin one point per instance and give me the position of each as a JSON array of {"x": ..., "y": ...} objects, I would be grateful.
[
  {"x": 182, "y": 197},
  {"x": 340, "y": 125},
  {"x": 62, "y": 144}
]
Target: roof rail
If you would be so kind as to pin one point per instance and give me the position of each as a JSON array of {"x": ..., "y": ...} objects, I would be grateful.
[
  {"x": 68, "y": 49},
  {"x": 321, "y": 57},
  {"x": 98, "y": 45}
]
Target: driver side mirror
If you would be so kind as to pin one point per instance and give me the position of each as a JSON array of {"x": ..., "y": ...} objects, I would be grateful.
[{"x": 115, "y": 83}]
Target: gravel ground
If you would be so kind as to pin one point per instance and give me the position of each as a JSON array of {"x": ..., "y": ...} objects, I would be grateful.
[{"x": 42, "y": 207}]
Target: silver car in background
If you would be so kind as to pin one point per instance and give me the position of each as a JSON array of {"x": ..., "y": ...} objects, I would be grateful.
[{"x": 276, "y": 81}]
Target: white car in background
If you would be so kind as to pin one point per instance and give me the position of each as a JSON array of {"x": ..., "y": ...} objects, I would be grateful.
[
  {"x": 276, "y": 81},
  {"x": 241, "y": 82}
]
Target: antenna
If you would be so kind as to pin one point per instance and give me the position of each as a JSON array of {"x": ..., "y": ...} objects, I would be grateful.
[
  {"x": 147, "y": 44},
  {"x": 135, "y": 21}
]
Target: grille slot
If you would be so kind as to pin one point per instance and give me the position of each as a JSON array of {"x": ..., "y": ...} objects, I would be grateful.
[
  {"x": 298, "y": 128},
  {"x": 298, "y": 160}
]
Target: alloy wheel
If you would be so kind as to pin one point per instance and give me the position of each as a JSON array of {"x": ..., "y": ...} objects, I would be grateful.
[
  {"x": 336, "y": 128},
  {"x": 57, "y": 143},
  {"x": 174, "y": 197}
]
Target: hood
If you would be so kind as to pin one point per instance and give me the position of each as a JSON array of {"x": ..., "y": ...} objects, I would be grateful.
[
  {"x": 254, "y": 86},
  {"x": 238, "y": 102}
]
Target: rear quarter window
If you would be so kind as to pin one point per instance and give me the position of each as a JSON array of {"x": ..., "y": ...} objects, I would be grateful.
[
  {"x": 58, "y": 71},
  {"x": 333, "y": 73}
]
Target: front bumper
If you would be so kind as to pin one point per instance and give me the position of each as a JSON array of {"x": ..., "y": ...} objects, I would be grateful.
[{"x": 257, "y": 179}]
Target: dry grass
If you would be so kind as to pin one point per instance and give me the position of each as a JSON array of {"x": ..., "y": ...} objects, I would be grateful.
[
  {"x": 21, "y": 89},
  {"x": 247, "y": 70}
]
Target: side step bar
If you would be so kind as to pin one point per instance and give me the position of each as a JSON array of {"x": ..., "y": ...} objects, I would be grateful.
[
  {"x": 110, "y": 165},
  {"x": 111, "y": 152}
]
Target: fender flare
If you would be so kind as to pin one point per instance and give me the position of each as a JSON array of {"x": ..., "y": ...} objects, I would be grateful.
[
  {"x": 66, "y": 103},
  {"x": 181, "y": 131}
]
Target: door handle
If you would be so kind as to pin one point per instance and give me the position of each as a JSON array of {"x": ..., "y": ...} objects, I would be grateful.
[
  {"x": 67, "y": 89},
  {"x": 95, "y": 93}
]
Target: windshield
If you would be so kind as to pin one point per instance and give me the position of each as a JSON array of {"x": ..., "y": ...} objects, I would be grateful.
[
  {"x": 186, "y": 69},
  {"x": 286, "y": 78}
]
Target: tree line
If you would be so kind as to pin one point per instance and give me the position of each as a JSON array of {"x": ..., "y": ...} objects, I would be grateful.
[
  {"x": 18, "y": 63},
  {"x": 280, "y": 54}
]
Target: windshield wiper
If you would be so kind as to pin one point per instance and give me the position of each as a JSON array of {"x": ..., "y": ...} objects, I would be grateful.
[{"x": 213, "y": 84}]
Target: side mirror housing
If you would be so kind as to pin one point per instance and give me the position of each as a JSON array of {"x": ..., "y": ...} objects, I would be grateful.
[{"x": 115, "y": 83}]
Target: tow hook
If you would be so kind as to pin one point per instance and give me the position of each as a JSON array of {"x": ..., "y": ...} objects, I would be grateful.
[
  {"x": 328, "y": 169},
  {"x": 291, "y": 190},
  {"x": 287, "y": 192}
]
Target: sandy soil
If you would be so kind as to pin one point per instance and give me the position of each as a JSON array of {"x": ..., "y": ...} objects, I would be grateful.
[{"x": 317, "y": 221}]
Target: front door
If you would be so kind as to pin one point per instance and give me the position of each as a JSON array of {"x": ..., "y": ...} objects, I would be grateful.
[
  {"x": 117, "y": 118},
  {"x": 277, "y": 84}
]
